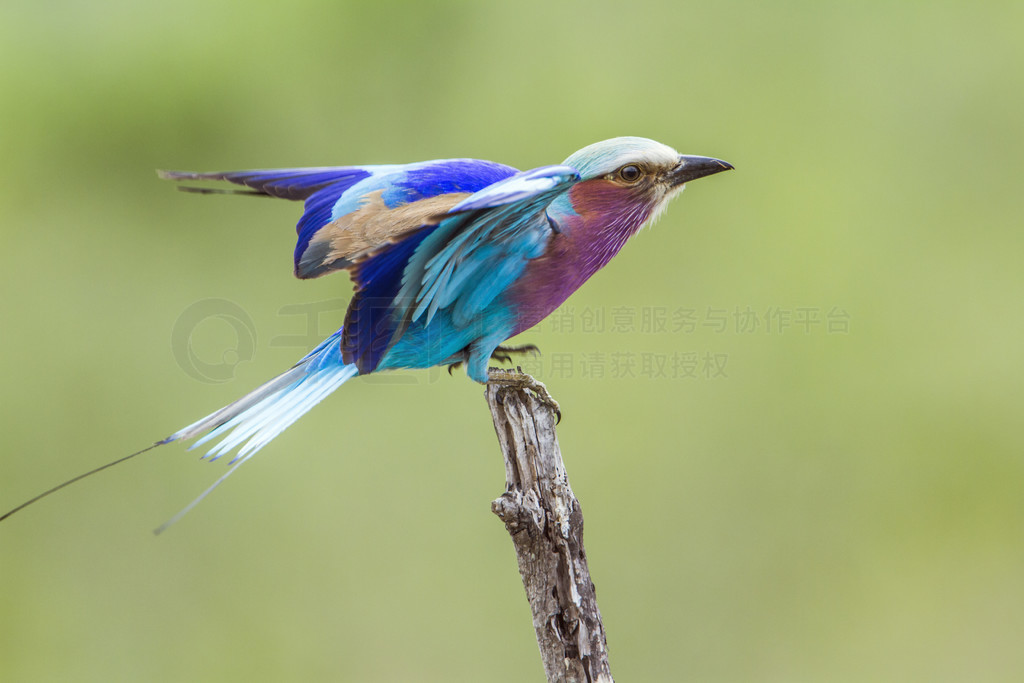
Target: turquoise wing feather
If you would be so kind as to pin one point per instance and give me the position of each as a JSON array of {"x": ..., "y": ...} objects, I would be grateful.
[{"x": 482, "y": 245}]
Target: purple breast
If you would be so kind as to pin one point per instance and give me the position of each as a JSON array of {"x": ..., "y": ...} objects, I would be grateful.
[{"x": 606, "y": 217}]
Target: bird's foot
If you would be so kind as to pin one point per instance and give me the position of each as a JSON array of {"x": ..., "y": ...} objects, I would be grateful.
[
  {"x": 517, "y": 379},
  {"x": 503, "y": 354}
]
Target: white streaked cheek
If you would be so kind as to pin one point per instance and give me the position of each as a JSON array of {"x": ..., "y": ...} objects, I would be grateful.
[{"x": 662, "y": 204}]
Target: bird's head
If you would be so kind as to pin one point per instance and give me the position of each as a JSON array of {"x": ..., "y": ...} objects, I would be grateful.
[{"x": 635, "y": 175}]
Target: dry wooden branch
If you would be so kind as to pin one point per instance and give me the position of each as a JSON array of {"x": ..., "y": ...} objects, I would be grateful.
[{"x": 546, "y": 524}]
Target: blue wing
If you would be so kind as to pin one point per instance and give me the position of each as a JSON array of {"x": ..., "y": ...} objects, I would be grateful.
[
  {"x": 458, "y": 262},
  {"x": 321, "y": 188},
  {"x": 286, "y": 183},
  {"x": 352, "y": 211},
  {"x": 445, "y": 235},
  {"x": 483, "y": 246}
]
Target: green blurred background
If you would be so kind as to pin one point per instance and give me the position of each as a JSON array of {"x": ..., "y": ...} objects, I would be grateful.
[{"x": 844, "y": 504}]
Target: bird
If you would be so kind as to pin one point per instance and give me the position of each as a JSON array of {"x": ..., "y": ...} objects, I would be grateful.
[{"x": 450, "y": 258}]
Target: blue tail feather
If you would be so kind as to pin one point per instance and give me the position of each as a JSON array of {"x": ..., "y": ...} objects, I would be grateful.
[
  {"x": 251, "y": 422},
  {"x": 256, "y": 418}
]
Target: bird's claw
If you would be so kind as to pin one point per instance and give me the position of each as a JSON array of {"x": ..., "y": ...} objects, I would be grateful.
[
  {"x": 503, "y": 354},
  {"x": 517, "y": 379}
]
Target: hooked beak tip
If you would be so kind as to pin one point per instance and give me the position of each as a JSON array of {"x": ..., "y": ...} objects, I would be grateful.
[{"x": 694, "y": 167}]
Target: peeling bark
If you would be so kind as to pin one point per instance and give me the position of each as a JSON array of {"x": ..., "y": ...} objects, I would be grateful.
[{"x": 545, "y": 521}]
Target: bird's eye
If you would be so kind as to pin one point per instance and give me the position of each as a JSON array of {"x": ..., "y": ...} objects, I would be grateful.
[{"x": 630, "y": 173}]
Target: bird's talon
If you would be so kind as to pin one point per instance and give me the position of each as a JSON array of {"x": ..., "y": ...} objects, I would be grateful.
[
  {"x": 517, "y": 379},
  {"x": 503, "y": 354}
]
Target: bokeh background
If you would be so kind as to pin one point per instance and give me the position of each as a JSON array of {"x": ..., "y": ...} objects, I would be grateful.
[{"x": 792, "y": 407}]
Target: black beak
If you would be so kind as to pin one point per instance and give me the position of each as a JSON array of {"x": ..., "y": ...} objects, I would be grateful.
[{"x": 691, "y": 168}]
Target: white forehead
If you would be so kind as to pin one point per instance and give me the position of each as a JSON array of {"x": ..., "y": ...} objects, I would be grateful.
[{"x": 607, "y": 156}]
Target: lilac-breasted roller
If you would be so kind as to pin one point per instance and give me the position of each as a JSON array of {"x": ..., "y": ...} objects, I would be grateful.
[{"x": 449, "y": 259}]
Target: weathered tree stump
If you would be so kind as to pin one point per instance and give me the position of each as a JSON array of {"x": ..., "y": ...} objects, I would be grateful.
[{"x": 545, "y": 521}]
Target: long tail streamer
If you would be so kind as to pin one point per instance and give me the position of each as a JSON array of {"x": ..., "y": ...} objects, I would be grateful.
[{"x": 251, "y": 422}]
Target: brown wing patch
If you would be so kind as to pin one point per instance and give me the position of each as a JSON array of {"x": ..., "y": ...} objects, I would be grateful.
[{"x": 356, "y": 235}]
